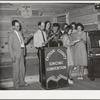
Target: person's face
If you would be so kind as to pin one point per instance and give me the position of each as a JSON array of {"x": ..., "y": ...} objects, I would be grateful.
[
  {"x": 48, "y": 25},
  {"x": 65, "y": 26},
  {"x": 79, "y": 28},
  {"x": 42, "y": 26},
  {"x": 55, "y": 29},
  {"x": 69, "y": 32},
  {"x": 16, "y": 26},
  {"x": 73, "y": 26}
]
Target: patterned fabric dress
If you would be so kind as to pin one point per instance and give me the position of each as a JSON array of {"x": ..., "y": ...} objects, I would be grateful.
[
  {"x": 66, "y": 43},
  {"x": 73, "y": 38},
  {"x": 80, "y": 51}
]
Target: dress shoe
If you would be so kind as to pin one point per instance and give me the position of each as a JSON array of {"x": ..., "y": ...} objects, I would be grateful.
[
  {"x": 74, "y": 68},
  {"x": 16, "y": 87},
  {"x": 70, "y": 81},
  {"x": 80, "y": 78},
  {"x": 25, "y": 84}
]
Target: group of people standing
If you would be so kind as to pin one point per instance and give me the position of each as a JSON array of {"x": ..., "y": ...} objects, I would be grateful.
[{"x": 72, "y": 37}]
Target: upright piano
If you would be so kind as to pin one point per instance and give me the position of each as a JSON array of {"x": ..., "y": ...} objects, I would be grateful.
[{"x": 93, "y": 50}]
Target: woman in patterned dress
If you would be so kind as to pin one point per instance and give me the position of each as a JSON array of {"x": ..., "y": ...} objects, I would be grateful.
[
  {"x": 67, "y": 43},
  {"x": 73, "y": 35},
  {"x": 80, "y": 51}
]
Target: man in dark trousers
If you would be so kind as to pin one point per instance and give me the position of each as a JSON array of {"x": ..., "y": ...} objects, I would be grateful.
[{"x": 39, "y": 42}]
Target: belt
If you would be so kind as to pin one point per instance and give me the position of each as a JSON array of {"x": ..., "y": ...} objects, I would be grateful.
[
  {"x": 22, "y": 47},
  {"x": 40, "y": 48}
]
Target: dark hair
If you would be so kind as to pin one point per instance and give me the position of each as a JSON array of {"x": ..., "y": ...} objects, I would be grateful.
[
  {"x": 47, "y": 22},
  {"x": 79, "y": 24},
  {"x": 65, "y": 24},
  {"x": 67, "y": 29},
  {"x": 73, "y": 23},
  {"x": 15, "y": 21},
  {"x": 56, "y": 25},
  {"x": 39, "y": 23}
]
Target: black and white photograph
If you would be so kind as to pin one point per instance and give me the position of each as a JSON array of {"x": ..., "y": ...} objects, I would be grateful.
[{"x": 49, "y": 46}]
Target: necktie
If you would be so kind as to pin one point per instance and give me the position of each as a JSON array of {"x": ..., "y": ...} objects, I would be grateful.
[{"x": 43, "y": 36}]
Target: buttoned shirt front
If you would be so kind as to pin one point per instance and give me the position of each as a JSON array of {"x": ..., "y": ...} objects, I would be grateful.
[{"x": 38, "y": 38}]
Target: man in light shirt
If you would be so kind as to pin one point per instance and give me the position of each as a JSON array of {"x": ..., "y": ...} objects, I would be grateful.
[
  {"x": 40, "y": 42},
  {"x": 17, "y": 52},
  {"x": 40, "y": 37}
]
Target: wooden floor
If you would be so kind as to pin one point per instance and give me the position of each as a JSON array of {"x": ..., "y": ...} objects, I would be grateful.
[
  {"x": 32, "y": 69},
  {"x": 85, "y": 84}
]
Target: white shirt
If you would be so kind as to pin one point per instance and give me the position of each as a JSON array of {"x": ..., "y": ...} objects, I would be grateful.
[
  {"x": 20, "y": 38},
  {"x": 38, "y": 38}
]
